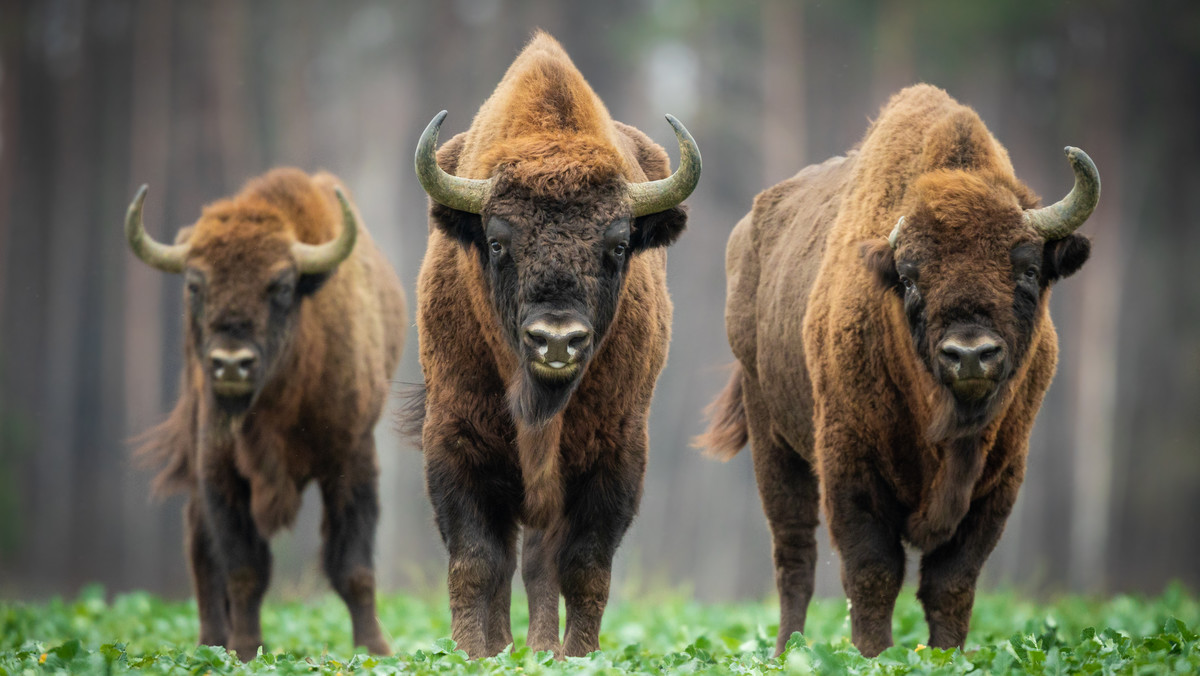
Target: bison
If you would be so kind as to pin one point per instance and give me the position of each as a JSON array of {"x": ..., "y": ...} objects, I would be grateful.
[
  {"x": 544, "y": 320},
  {"x": 888, "y": 312},
  {"x": 293, "y": 324}
]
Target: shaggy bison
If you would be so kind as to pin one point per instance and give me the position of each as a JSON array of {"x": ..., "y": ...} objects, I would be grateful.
[
  {"x": 544, "y": 322},
  {"x": 293, "y": 324},
  {"x": 900, "y": 372}
]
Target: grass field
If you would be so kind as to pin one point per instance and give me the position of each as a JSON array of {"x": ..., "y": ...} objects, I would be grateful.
[{"x": 669, "y": 634}]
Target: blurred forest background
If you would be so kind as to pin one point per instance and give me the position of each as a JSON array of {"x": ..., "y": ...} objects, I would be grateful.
[{"x": 99, "y": 96}]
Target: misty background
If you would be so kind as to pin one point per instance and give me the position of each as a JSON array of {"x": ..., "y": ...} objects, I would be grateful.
[{"x": 193, "y": 98}]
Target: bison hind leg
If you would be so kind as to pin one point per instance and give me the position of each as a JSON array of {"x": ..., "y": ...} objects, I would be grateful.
[
  {"x": 351, "y": 514},
  {"x": 790, "y": 496},
  {"x": 791, "y": 499}
]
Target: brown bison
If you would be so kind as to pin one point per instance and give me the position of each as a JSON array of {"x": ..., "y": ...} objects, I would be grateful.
[
  {"x": 899, "y": 372},
  {"x": 544, "y": 322},
  {"x": 293, "y": 324}
]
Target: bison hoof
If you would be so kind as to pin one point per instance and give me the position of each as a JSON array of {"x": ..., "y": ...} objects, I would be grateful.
[
  {"x": 246, "y": 650},
  {"x": 376, "y": 646}
]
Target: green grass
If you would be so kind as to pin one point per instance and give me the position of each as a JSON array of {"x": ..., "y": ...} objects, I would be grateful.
[{"x": 669, "y": 634}]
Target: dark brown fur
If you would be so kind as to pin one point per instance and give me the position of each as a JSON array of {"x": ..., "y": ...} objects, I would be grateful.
[
  {"x": 502, "y": 449},
  {"x": 330, "y": 351},
  {"x": 836, "y": 361}
]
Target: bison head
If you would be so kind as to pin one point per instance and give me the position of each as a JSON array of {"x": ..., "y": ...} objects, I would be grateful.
[
  {"x": 246, "y": 277},
  {"x": 554, "y": 244},
  {"x": 971, "y": 267}
]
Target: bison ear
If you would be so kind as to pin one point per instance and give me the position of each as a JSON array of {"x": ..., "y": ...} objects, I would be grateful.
[
  {"x": 309, "y": 284},
  {"x": 184, "y": 234},
  {"x": 1063, "y": 257},
  {"x": 463, "y": 226},
  {"x": 877, "y": 256},
  {"x": 661, "y": 229}
]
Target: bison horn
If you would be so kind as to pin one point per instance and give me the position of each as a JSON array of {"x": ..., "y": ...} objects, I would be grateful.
[
  {"x": 464, "y": 194},
  {"x": 165, "y": 257},
  {"x": 319, "y": 258},
  {"x": 655, "y": 196},
  {"x": 894, "y": 238},
  {"x": 1064, "y": 216}
]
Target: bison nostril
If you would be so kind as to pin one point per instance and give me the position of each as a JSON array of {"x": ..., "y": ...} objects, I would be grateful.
[
  {"x": 989, "y": 353},
  {"x": 537, "y": 337},
  {"x": 578, "y": 340},
  {"x": 952, "y": 352}
]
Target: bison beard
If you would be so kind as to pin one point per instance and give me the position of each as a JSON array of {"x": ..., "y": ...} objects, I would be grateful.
[
  {"x": 926, "y": 354},
  {"x": 535, "y": 401}
]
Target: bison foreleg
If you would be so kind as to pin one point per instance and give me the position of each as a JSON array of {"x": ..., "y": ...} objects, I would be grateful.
[
  {"x": 600, "y": 509},
  {"x": 351, "y": 513},
  {"x": 949, "y": 573},
  {"x": 499, "y": 625},
  {"x": 479, "y": 528},
  {"x": 857, "y": 506},
  {"x": 539, "y": 571},
  {"x": 245, "y": 558},
  {"x": 207, "y": 576}
]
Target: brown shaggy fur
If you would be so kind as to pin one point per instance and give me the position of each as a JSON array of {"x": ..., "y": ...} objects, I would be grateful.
[
  {"x": 500, "y": 449},
  {"x": 838, "y": 362},
  {"x": 328, "y": 348}
]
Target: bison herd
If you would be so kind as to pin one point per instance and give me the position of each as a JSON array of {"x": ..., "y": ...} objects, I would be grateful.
[{"x": 887, "y": 310}]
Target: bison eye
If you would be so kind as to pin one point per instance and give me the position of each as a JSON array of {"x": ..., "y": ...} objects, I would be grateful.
[
  {"x": 619, "y": 250},
  {"x": 1031, "y": 272},
  {"x": 194, "y": 283},
  {"x": 908, "y": 283},
  {"x": 496, "y": 247},
  {"x": 281, "y": 293}
]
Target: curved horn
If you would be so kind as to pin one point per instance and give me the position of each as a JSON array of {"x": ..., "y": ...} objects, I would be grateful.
[
  {"x": 165, "y": 257},
  {"x": 894, "y": 238},
  {"x": 464, "y": 194},
  {"x": 319, "y": 258},
  {"x": 1064, "y": 216},
  {"x": 655, "y": 196}
]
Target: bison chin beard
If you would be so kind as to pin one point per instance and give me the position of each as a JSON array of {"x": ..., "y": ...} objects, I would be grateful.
[
  {"x": 954, "y": 419},
  {"x": 535, "y": 400},
  {"x": 231, "y": 407}
]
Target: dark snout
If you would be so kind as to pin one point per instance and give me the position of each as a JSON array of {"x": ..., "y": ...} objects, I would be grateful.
[
  {"x": 556, "y": 346},
  {"x": 972, "y": 364},
  {"x": 233, "y": 371}
]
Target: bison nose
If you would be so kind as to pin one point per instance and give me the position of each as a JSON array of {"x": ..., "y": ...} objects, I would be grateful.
[
  {"x": 232, "y": 370},
  {"x": 969, "y": 358},
  {"x": 558, "y": 345}
]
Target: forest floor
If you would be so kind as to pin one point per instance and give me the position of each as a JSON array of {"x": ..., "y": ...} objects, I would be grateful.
[{"x": 655, "y": 635}]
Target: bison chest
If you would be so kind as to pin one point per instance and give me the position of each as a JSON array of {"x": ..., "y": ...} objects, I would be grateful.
[
  {"x": 948, "y": 484},
  {"x": 276, "y": 462}
]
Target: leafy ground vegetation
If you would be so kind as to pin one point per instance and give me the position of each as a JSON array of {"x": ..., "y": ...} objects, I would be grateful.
[{"x": 672, "y": 634}]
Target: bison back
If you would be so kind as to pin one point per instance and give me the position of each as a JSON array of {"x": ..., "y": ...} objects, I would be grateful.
[{"x": 772, "y": 261}]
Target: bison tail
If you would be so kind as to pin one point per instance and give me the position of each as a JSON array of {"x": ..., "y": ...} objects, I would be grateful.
[
  {"x": 727, "y": 433},
  {"x": 410, "y": 417},
  {"x": 169, "y": 447}
]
